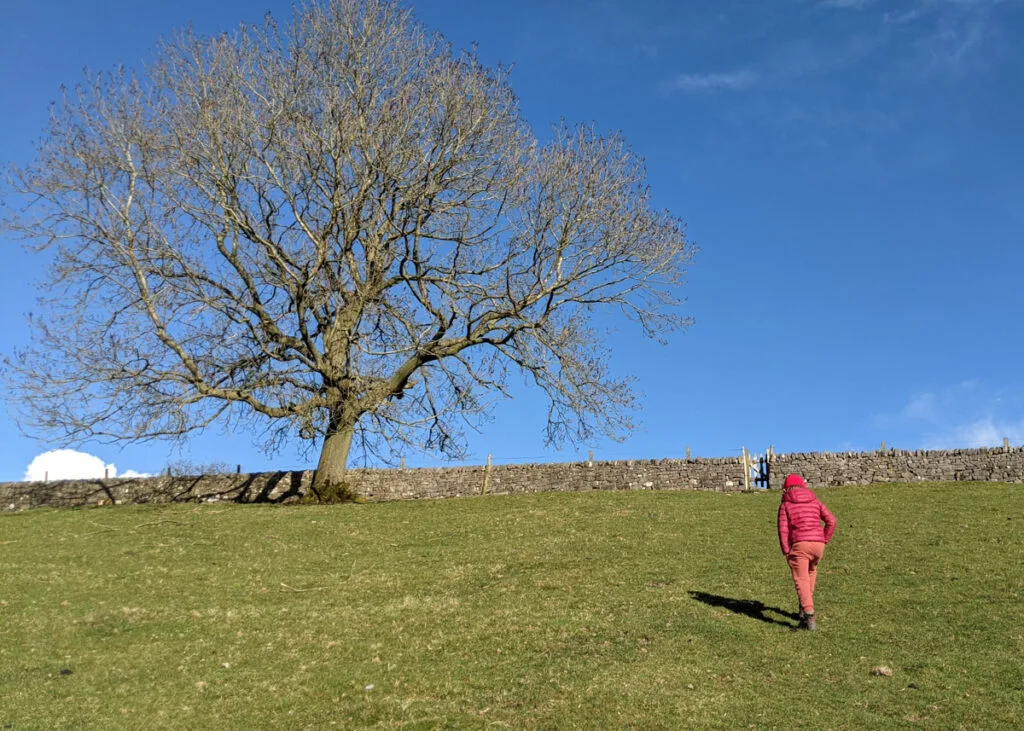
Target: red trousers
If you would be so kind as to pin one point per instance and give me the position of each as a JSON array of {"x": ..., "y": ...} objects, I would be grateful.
[{"x": 803, "y": 562}]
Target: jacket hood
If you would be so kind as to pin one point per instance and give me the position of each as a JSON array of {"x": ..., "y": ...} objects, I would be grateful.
[
  {"x": 798, "y": 495},
  {"x": 794, "y": 480}
]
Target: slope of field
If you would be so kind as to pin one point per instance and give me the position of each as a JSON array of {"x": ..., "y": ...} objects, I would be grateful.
[{"x": 602, "y": 610}]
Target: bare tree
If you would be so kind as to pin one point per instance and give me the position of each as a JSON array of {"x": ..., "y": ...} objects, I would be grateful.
[{"x": 341, "y": 229}]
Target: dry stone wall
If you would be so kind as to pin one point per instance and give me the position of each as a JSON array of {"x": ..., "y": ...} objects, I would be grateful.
[
  {"x": 257, "y": 487},
  {"x": 385, "y": 484},
  {"x": 722, "y": 474},
  {"x": 655, "y": 474},
  {"x": 1002, "y": 464}
]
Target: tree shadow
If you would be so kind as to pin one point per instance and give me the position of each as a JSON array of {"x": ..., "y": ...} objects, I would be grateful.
[
  {"x": 258, "y": 487},
  {"x": 748, "y": 607},
  {"x": 255, "y": 487},
  {"x": 266, "y": 495}
]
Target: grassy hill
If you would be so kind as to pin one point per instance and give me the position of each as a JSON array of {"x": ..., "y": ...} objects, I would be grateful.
[{"x": 602, "y": 610}]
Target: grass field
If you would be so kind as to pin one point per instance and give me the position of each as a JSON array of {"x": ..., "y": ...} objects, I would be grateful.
[{"x": 598, "y": 610}]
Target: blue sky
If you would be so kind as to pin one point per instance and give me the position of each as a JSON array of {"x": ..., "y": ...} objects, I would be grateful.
[{"x": 852, "y": 170}]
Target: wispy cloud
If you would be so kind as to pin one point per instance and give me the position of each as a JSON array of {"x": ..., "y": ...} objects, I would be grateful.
[
  {"x": 790, "y": 63},
  {"x": 953, "y": 37},
  {"x": 900, "y": 44},
  {"x": 738, "y": 80},
  {"x": 966, "y": 414},
  {"x": 959, "y": 47},
  {"x": 987, "y": 432},
  {"x": 845, "y": 4},
  {"x": 902, "y": 17}
]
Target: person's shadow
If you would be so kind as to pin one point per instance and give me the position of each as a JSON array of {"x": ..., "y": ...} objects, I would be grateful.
[{"x": 747, "y": 607}]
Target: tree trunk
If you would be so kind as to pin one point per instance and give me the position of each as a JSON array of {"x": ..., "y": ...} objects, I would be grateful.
[{"x": 330, "y": 470}]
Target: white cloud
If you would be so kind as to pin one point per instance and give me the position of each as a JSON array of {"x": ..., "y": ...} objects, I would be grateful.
[
  {"x": 68, "y": 464},
  {"x": 716, "y": 80}
]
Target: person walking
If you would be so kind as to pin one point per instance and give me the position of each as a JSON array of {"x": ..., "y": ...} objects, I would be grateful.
[{"x": 803, "y": 540}]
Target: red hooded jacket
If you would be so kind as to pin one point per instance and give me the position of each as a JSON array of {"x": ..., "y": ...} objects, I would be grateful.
[{"x": 800, "y": 516}]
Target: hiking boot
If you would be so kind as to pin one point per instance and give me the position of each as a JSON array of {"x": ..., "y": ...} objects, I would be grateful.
[{"x": 808, "y": 622}]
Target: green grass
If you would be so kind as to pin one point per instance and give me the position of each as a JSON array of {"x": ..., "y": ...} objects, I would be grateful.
[{"x": 543, "y": 611}]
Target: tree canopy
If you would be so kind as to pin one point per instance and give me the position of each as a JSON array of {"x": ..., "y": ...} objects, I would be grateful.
[{"x": 340, "y": 229}]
